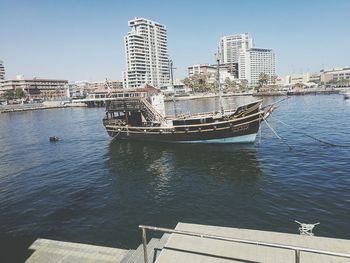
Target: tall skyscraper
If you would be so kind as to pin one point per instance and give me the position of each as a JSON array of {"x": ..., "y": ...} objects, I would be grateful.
[
  {"x": 254, "y": 61},
  {"x": 146, "y": 53},
  {"x": 2, "y": 70},
  {"x": 230, "y": 47}
]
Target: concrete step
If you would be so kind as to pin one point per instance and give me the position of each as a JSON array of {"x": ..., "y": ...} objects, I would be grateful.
[
  {"x": 128, "y": 256},
  {"x": 46, "y": 250},
  {"x": 154, "y": 248},
  {"x": 160, "y": 245}
]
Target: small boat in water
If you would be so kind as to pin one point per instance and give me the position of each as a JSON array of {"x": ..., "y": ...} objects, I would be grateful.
[
  {"x": 346, "y": 95},
  {"x": 54, "y": 139}
]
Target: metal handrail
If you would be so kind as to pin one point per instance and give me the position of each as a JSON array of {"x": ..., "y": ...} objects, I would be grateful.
[{"x": 237, "y": 240}]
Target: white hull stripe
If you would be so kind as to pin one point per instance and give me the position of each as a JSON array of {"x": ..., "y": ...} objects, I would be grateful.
[{"x": 238, "y": 139}]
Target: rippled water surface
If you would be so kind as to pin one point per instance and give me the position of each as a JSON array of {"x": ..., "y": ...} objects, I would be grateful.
[{"x": 87, "y": 188}]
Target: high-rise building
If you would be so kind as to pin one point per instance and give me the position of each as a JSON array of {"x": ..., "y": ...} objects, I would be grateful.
[
  {"x": 146, "y": 54},
  {"x": 230, "y": 47},
  {"x": 2, "y": 70},
  {"x": 255, "y": 61}
]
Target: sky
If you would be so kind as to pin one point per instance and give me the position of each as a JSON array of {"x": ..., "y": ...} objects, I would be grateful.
[{"x": 83, "y": 40}]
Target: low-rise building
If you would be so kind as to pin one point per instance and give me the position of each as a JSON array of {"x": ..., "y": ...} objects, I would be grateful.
[
  {"x": 105, "y": 85},
  {"x": 179, "y": 88},
  {"x": 335, "y": 75},
  {"x": 229, "y": 71},
  {"x": 36, "y": 88},
  {"x": 301, "y": 78},
  {"x": 83, "y": 88}
]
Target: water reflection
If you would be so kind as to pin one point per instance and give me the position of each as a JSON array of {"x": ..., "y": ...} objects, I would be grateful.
[
  {"x": 168, "y": 183},
  {"x": 161, "y": 161}
]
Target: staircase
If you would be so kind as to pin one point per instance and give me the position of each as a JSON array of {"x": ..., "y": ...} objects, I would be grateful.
[
  {"x": 137, "y": 104},
  {"x": 150, "y": 113},
  {"x": 154, "y": 248}
]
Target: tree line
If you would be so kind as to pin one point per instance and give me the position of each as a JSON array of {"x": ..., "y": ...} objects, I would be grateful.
[
  {"x": 14, "y": 94},
  {"x": 200, "y": 83}
]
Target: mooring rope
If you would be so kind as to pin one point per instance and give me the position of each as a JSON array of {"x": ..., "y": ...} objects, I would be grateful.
[
  {"x": 278, "y": 136},
  {"x": 115, "y": 136},
  {"x": 329, "y": 144}
]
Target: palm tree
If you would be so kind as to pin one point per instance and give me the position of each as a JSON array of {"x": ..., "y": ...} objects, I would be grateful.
[
  {"x": 274, "y": 79},
  {"x": 19, "y": 93},
  {"x": 263, "y": 78},
  {"x": 243, "y": 85},
  {"x": 9, "y": 95},
  {"x": 230, "y": 84}
]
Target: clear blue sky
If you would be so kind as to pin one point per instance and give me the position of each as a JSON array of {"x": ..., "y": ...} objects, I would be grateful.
[{"x": 83, "y": 40}]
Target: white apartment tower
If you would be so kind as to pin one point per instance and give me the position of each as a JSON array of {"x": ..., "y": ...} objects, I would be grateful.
[
  {"x": 146, "y": 53},
  {"x": 2, "y": 70},
  {"x": 254, "y": 61},
  {"x": 230, "y": 47}
]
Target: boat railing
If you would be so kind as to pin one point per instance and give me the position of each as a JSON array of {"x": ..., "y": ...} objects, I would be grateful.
[
  {"x": 297, "y": 250},
  {"x": 116, "y": 122}
]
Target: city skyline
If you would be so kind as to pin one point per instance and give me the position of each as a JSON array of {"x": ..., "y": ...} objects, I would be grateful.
[{"x": 79, "y": 41}]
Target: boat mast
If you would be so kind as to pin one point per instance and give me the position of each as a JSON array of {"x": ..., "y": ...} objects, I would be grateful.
[
  {"x": 172, "y": 85},
  {"x": 218, "y": 80}
]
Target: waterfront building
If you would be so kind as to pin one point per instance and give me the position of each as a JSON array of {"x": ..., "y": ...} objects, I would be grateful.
[
  {"x": 146, "y": 54},
  {"x": 229, "y": 71},
  {"x": 335, "y": 75},
  {"x": 2, "y": 70},
  {"x": 82, "y": 87},
  {"x": 253, "y": 62},
  {"x": 302, "y": 78},
  {"x": 79, "y": 89},
  {"x": 231, "y": 46},
  {"x": 178, "y": 88},
  {"x": 105, "y": 85},
  {"x": 36, "y": 88}
]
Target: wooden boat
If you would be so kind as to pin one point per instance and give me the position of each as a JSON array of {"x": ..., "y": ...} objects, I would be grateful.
[
  {"x": 143, "y": 118},
  {"x": 137, "y": 119}
]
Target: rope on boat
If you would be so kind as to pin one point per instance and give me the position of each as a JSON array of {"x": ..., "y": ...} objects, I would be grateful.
[
  {"x": 115, "y": 136},
  {"x": 329, "y": 144},
  {"x": 278, "y": 136}
]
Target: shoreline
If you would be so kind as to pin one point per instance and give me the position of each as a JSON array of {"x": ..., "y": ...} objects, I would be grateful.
[
  {"x": 57, "y": 105},
  {"x": 28, "y": 107}
]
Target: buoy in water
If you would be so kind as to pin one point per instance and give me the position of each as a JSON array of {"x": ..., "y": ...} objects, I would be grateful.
[{"x": 54, "y": 139}]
